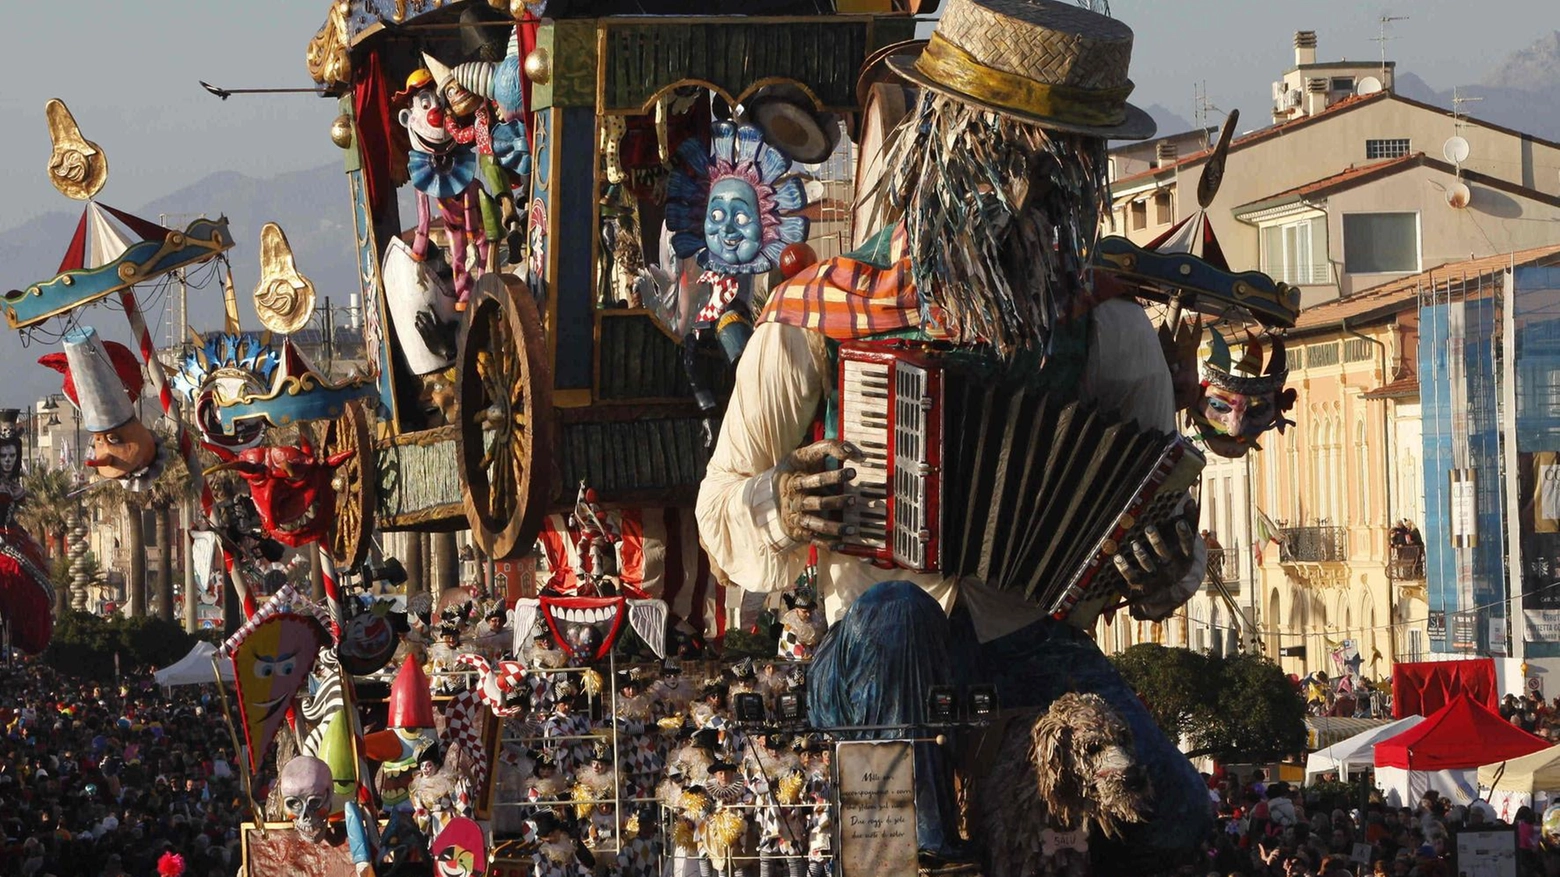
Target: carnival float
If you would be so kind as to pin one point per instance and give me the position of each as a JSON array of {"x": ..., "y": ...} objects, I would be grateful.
[{"x": 786, "y": 310}]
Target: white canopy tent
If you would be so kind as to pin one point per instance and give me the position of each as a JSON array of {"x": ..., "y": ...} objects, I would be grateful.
[
  {"x": 194, "y": 668},
  {"x": 1355, "y": 752}
]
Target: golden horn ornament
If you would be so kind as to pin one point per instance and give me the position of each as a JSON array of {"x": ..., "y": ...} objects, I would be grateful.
[{"x": 77, "y": 166}]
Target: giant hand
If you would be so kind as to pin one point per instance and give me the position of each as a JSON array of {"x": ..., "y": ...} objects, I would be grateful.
[
  {"x": 1163, "y": 566},
  {"x": 809, "y": 490}
]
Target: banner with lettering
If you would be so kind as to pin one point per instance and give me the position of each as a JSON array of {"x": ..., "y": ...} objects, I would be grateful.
[{"x": 877, "y": 808}]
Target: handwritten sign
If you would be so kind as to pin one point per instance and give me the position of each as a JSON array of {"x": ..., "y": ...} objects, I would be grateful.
[{"x": 877, "y": 809}]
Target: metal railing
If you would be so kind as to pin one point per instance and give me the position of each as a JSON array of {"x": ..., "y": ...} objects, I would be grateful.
[
  {"x": 1315, "y": 544},
  {"x": 1406, "y": 563},
  {"x": 1223, "y": 565}
]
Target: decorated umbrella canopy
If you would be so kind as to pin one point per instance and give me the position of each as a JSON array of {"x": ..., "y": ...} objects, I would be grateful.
[{"x": 111, "y": 251}]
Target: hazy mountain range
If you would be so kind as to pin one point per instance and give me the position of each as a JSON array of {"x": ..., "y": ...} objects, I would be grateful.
[{"x": 1522, "y": 91}]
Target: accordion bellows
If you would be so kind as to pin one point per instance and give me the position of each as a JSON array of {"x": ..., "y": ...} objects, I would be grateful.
[{"x": 967, "y": 474}]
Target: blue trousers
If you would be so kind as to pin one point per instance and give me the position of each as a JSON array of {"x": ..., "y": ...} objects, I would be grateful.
[{"x": 874, "y": 668}]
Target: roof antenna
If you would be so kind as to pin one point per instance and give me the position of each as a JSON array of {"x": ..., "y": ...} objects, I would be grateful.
[{"x": 1383, "y": 39}]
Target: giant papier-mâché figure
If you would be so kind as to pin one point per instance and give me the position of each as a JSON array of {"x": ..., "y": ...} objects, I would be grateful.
[
  {"x": 26, "y": 594},
  {"x": 104, "y": 380},
  {"x": 442, "y": 171},
  {"x": 993, "y": 188},
  {"x": 291, "y": 488},
  {"x": 735, "y": 209},
  {"x": 1242, "y": 401}
]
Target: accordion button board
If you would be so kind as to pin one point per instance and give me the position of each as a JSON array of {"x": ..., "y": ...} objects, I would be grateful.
[{"x": 966, "y": 474}]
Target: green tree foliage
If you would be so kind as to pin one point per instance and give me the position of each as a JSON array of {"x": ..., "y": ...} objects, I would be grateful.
[
  {"x": 1240, "y": 707},
  {"x": 84, "y": 644},
  {"x": 1175, "y": 684}
]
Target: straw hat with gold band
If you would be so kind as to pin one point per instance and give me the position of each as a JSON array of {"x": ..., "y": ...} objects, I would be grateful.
[{"x": 1054, "y": 64}]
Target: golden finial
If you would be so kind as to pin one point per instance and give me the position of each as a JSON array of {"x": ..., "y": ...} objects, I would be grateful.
[
  {"x": 284, "y": 299},
  {"x": 77, "y": 166}
]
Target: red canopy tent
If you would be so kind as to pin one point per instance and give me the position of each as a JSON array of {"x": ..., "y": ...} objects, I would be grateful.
[
  {"x": 1463, "y": 734},
  {"x": 1421, "y": 688}
]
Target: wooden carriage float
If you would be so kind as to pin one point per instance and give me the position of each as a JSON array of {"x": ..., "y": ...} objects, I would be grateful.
[{"x": 557, "y": 382}]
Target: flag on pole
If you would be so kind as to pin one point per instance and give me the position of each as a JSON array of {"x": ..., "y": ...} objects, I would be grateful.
[{"x": 1267, "y": 531}]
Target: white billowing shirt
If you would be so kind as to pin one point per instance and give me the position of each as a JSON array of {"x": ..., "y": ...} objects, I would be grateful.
[{"x": 779, "y": 383}]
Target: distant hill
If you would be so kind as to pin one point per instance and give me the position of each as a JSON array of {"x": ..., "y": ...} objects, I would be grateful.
[
  {"x": 1167, "y": 120},
  {"x": 1522, "y": 91},
  {"x": 1533, "y": 69}
]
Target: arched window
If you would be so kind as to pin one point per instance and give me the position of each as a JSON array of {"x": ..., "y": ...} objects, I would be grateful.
[{"x": 1314, "y": 442}]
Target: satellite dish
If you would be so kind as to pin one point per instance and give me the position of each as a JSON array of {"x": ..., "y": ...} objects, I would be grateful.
[
  {"x": 1455, "y": 150},
  {"x": 1459, "y": 195},
  {"x": 1368, "y": 85}
]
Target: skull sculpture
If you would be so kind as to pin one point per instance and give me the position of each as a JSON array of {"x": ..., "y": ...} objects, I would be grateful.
[
  {"x": 305, "y": 787},
  {"x": 291, "y": 488}
]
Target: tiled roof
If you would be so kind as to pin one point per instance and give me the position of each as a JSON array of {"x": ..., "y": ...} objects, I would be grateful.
[
  {"x": 1350, "y": 176},
  {"x": 1356, "y": 175},
  {"x": 1348, "y": 103},
  {"x": 1258, "y": 136},
  {"x": 1408, "y": 385},
  {"x": 1403, "y": 292}
]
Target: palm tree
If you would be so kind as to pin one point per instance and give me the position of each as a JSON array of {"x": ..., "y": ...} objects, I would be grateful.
[
  {"x": 113, "y": 499},
  {"x": 48, "y": 511},
  {"x": 171, "y": 487}
]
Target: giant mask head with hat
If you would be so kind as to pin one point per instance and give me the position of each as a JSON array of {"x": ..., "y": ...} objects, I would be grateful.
[
  {"x": 1000, "y": 173},
  {"x": 103, "y": 380},
  {"x": 1241, "y": 401}
]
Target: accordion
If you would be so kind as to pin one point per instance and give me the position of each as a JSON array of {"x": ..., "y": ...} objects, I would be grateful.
[{"x": 967, "y": 475}]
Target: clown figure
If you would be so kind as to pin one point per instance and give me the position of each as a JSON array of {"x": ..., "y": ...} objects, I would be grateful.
[{"x": 445, "y": 171}]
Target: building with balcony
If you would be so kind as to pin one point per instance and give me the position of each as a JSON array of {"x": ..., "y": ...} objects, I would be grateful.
[{"x": 1346, "y": 197}]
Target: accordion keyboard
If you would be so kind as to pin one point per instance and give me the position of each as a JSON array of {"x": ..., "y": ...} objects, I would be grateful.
[{"x": 864, "y": 422}]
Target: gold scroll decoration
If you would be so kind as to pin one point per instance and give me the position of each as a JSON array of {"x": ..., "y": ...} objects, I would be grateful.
[
  {"x": 77, "y": 166},
  {"x": 284, "y": 299}
]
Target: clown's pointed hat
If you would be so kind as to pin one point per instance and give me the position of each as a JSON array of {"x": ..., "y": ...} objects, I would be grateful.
[{"x": 411, "y": 699}]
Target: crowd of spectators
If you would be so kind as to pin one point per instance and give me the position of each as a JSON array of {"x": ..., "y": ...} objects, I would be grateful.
[
  {"x": 1279, "y": 830},
  {"x": 1533, "y": 714},
  {"x": 101, "y": 780}
]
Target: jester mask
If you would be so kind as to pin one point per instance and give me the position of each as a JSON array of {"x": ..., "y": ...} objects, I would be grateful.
[
  {"x": 272, "y": 654},
  {"x": 459, "y": 849},
  {"x": 1240, "y": 403},
  {"x": 291, "y": 488}
]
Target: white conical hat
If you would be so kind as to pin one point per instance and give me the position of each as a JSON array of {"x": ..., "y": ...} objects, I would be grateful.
[
  {"x": 100, "y": 392},
  {"x": 441, "y": 73}
]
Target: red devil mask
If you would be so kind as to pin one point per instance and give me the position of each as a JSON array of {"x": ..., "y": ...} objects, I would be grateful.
[{"x": 291, "y": 488}]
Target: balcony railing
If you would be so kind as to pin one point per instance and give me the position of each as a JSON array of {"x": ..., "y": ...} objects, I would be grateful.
[
  {"x": 1315, "y": 544},
  {"x": 1222, "y": 564},
  {"x": 1406, "y": 563}
]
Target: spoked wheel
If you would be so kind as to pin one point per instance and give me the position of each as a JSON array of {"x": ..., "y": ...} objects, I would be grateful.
[
  {"x": 353, "y": 527},
  {"x": 506, "y": 417}
]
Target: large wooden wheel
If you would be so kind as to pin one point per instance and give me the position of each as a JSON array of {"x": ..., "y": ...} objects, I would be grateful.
[
  {"x": 506, "y": 417},
  {"x": 352, "y": 529}
]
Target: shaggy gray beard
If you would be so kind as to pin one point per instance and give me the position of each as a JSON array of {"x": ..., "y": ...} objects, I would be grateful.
[{"x": 1002, "y": 257}]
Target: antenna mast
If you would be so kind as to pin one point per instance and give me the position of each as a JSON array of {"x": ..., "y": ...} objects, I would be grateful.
[
  {"x": 1382, "y": 41},
  {"x": 1457, "y": 114},
  {"x": 1201, "y": 109}
]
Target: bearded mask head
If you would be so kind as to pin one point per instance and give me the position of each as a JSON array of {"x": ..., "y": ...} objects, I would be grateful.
[
  {"x": 305, "y": 788},
  {"x": 999, "y": 214}
]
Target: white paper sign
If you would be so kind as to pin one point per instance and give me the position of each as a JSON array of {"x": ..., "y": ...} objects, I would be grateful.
[{"x": 877, "y": 808}]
